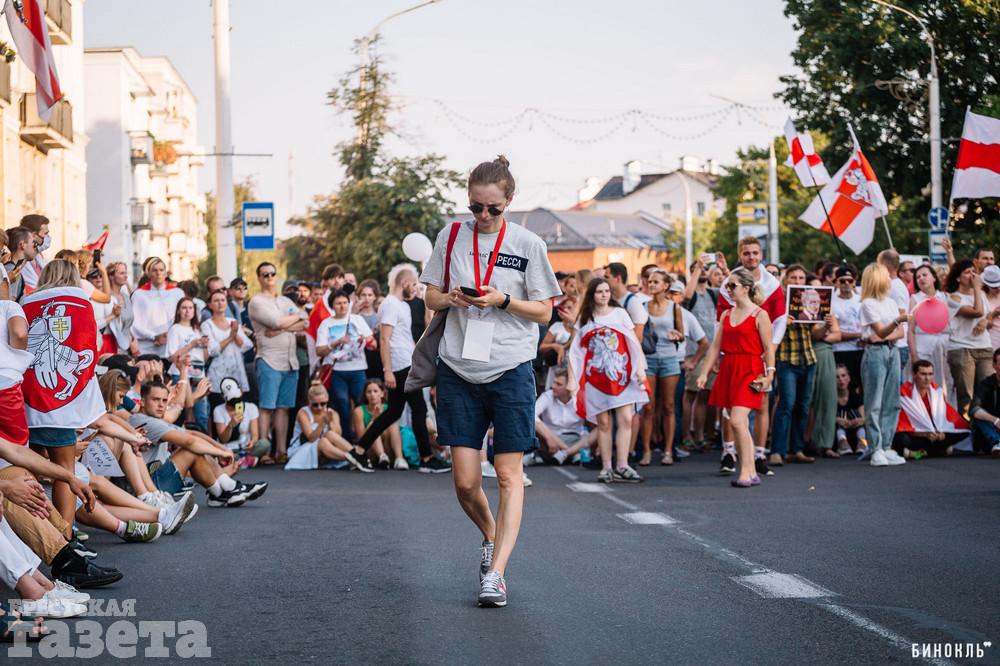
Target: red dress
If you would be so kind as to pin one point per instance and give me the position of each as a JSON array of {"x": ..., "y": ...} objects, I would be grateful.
[{"x": 742, "y": 362}]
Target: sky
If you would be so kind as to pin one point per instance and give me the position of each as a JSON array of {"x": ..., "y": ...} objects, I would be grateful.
[{"x": 464, "y": 69}]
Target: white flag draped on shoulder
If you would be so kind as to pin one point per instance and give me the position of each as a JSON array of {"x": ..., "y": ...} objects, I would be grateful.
[
  {"x": 608, "y": 368},
  {"x": 803, "y": 158},
  {"x": 60, "y": 385},
  {"x": 977, "y": 169},
  {"x": 854, "y": 201},
  {"x": 34, "y": 49}
]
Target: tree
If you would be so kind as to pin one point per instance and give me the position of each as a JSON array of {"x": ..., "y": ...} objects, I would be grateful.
[
  {"x": 846, "y": 54},
  {"x": 382, "y": 198}
]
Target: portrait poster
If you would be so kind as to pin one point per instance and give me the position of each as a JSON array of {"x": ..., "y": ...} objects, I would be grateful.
[{"x": 806, "y": 304}]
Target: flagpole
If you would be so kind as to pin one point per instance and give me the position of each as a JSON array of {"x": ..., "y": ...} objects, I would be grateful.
[
  {"x": 887, "y": 234},
  {"x": 819, "y": 195}
]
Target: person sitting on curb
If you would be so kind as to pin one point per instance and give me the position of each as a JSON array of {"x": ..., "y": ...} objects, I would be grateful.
[
  {"x": 928, "y": 425},
  {"x": 559, "y": 428},
  {"x": 986, "y": 409},
  {"x": 237, "y": 424}
]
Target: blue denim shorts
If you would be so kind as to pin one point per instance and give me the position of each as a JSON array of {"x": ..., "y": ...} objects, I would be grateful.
[
  {"x": 277, "y": 389},
  {"x": 465, "y": 411},
  {"x": 52, "y": 437},
  {"x": 663, "y": 366}
]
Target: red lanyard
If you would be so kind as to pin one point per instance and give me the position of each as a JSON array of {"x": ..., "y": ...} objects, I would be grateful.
[{"x": 493, "y": 255}]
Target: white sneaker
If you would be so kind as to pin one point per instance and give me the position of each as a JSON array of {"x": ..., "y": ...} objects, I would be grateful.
[
  {"x": 529, "y": 460},
  {"x": 401, "y": 464},
  {"x": 879, "y": 459},
  {"x": 488, "y": 471},
  {"x": 527, "y": 482},
  {"x": 151, "y": 499},
  {"x": 894, "y": 458},
  {"x": 178, "y": 514},
  {"x": 845, "y": 448},
  {"x": 168, "y": 500},
  {"x": 67, "y": 592},
  {"x": 560, "y": 456},
  {"x": 52, "y": 607}
]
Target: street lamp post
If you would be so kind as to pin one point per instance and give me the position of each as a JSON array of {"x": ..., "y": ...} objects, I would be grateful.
[
  {"x": 933, "y": 102},
  {"x": 688, "y": 225},
  {"x": 373, "y": 33}
]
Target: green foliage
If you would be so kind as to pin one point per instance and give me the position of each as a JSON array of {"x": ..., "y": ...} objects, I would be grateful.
[
  {"x": 846, "y": 48},
  {"x": 382, "y": 199}
]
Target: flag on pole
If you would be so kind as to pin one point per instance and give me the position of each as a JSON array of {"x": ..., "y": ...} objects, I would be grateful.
[
  {"x": 60, "y": 384},
  {"x": 977, "y": 169},
  {"x": 98, "y": 244},
  {"x": 854, "y": 200},
  {"x": 31, "y": 36},
  {"x": 803, "y": 158}
]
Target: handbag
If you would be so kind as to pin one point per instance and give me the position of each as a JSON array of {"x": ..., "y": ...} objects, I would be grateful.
[
  {"x": 649, "y": 339},
  {"x": 423, "y": 366}
]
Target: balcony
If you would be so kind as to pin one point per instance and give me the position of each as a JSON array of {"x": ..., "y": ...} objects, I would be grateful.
[
  {"x": 59, "y": 17},
  {"x": 140, "y": 215},
  {"x": 57, "y": 133},
  {"x": 5, "y": 81},
  {"x": 141, "y": 147}
]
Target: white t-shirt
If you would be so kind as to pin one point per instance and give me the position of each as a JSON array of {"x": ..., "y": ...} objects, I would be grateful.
[
  {"x": 873, "y": 310},
  {"x": 352, "y": 355},
  {"x": 222, "y": 418},
  {"x": 179, "y": 335},
  {"x": 848, "y": 314},
  {"x": 635, "y": 308},
  {"x": 901, "y": 295},
  {"x": 396, "y": 313},
  {"x": 560, "y": 416},
  {"x": 13, "y": 362},
  {"x": 960, "y": 335}
]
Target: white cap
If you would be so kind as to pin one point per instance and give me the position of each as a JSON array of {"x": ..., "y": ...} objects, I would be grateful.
[
  {"x": 230, "y": 389},
  {"x": 677, "y": 286},
  {"x": 991, "y": 276}
]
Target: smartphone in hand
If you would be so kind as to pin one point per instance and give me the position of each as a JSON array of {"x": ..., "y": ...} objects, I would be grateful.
[{"x": 470, "y": 292}]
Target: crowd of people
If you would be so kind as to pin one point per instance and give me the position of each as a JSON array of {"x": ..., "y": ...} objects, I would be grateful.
[{"x": 188, "y": 383}]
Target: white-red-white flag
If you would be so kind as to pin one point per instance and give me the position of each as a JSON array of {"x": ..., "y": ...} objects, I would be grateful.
[
  {"x": 34, "y": 48},
  {"x": 977, "y": 169},
  {"x": 853, "y": 198},
  {"x": 803, "y": 158}
]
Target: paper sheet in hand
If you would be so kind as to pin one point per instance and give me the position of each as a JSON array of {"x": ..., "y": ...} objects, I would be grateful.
[{"x": 101, "y": 461}]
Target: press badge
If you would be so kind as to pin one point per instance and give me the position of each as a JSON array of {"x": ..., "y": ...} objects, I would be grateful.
[{"x": 478, "y": 340}]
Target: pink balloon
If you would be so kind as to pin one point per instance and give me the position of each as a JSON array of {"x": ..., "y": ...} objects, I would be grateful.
[{"x": 931, "y": 316}]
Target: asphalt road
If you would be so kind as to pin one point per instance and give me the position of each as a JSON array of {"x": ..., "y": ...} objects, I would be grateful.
[{"x": 831, "y": 563}]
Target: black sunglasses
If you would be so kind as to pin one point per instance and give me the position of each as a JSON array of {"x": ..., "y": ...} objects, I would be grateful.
[
  {"x": 319, "y": 404},
  {"x": 845, "y": 279},
  {"x": 268, "y": 275},
  {"x": 732, "y": 285},
  {"x": 477, "y": 208}
]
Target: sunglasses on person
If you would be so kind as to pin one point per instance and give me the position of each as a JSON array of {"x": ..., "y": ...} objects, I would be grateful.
[
  {"x": 317, "y": 405},
  {"x": 846, "y": 280},
  {"x": 477, "y": 208},
  {"x": 269, "y": 274},
  {"x": 731, "y": 286}
]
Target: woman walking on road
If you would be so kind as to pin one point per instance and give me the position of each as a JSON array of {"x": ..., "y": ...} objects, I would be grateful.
[
  {"x": 747, "y": 367},
  {"x": 484, "y": 367}
]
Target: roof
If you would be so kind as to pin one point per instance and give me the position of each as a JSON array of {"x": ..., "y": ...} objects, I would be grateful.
[
  {"x": 613, "y": 188},
  {"x": 584, "y": 230}
]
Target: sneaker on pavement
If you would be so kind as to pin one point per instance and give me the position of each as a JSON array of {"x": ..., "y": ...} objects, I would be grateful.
[
  {"x": 434, "y": 465},
  {"x": 485, "y": 560},
  {"x": 894, "y": 458},
  {"x": 728, "y": 464},
  {"x": 67, "y": 593},
  {"x": 680, "y": 452},
  {"x": 775, "y": 460},
  {"x": 879, "y": 459},
  {"x": 493, "y": 591},
  {"x": 171, "y": 499},
  {"x": 358, "y": 463},
  {"x": 253, "y": 490},
  {"x": 526, "y": 481},
  {"x": 178, "y": 514},
  {"x": 844, "y": 448},
  {"x": 138, "y": 532},
  {"x": 82, "y": 550},
  {"x": 52, "y": 607},
  {"x": 760, "y": 465},
  {"x": 383, "y": 462},
  {"x": 76, "y": 570},
  {"x": 995, "y": 452},
  {"x": 627, "y": 475},
  {"x": 228, "y": 498},
  {"x": 560, "y": 456},
  {"x": 488, "y": 470},
  {"x": 401, "y": 464},
  {"x": 606, "y": 476}
]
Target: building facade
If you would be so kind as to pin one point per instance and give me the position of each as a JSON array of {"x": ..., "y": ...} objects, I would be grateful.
[
  {"x": 144, "y": 159},
  {"x": 43, "y": 166}
]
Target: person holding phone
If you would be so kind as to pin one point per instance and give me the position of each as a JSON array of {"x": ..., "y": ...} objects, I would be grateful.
[
  {"x": 22, "y": 250},
  {"x": 185, "y": 340},
  {"x": 484, "y": 370},
  {"x": 744, "y": 337}
]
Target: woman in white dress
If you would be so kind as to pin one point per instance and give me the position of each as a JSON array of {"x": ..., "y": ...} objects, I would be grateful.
[
  {"x": 226, "y": 344},
  {"x": 316, "y": 439},
  {"x": 121, "y": 326},
  {"x": 923, "y": 345}
]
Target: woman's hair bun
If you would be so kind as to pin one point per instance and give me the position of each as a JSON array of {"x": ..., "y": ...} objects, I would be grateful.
[{"x": 502, "y": 159}]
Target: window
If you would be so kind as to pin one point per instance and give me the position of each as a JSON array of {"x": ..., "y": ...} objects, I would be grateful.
[{"x": 700, "y": 207}]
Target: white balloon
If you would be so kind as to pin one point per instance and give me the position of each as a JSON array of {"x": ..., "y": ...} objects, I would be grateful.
[{"x": 417, "y": 247}]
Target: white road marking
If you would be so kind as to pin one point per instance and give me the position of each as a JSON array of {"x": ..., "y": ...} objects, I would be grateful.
[
  {"x": 774, "y": 585},
  {"x": 646, "y": 518},
  {"x": 863, "y": 622},
  {"x": 587, "y": 487},
  {"x": 565, "y": 472},
  {"x": 620, "y": 502}
]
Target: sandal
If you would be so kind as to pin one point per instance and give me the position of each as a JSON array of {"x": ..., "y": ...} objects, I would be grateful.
[
  {"x": 281, "y": 459},
  {"x": 644, "y": 461},
  {"x": 266, "y": 460},
  {"x": 667, "y": 460},
  {"x": 830, "y": 453}
]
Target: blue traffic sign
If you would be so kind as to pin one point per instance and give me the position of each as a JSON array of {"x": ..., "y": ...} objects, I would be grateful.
[
  {"x": 258, "y": 225},
  {"x": 938, "y": 217},
  {"x": 936, "y": 250}
]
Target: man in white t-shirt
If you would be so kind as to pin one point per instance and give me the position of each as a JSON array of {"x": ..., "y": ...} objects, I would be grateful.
[
  {"x": 559, "y": 428},
  {"x": 396, "y": 349},
  {"x": 901, "y": 296},
  {"x": 618, "y": 279}
]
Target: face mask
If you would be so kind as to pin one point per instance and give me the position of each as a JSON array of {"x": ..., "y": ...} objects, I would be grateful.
[{"x": 45, "y": 244}]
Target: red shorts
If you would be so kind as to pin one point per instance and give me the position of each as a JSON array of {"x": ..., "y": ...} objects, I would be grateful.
[{"x": 13, "y": 422}]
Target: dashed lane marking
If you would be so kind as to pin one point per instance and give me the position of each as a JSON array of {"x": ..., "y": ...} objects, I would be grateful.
[
  {"x": 646, "y": 518},
  {"x": 774, "y": 585}
]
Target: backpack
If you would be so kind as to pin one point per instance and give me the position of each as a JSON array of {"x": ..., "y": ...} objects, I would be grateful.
[{"x": 650, "y": 338}]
